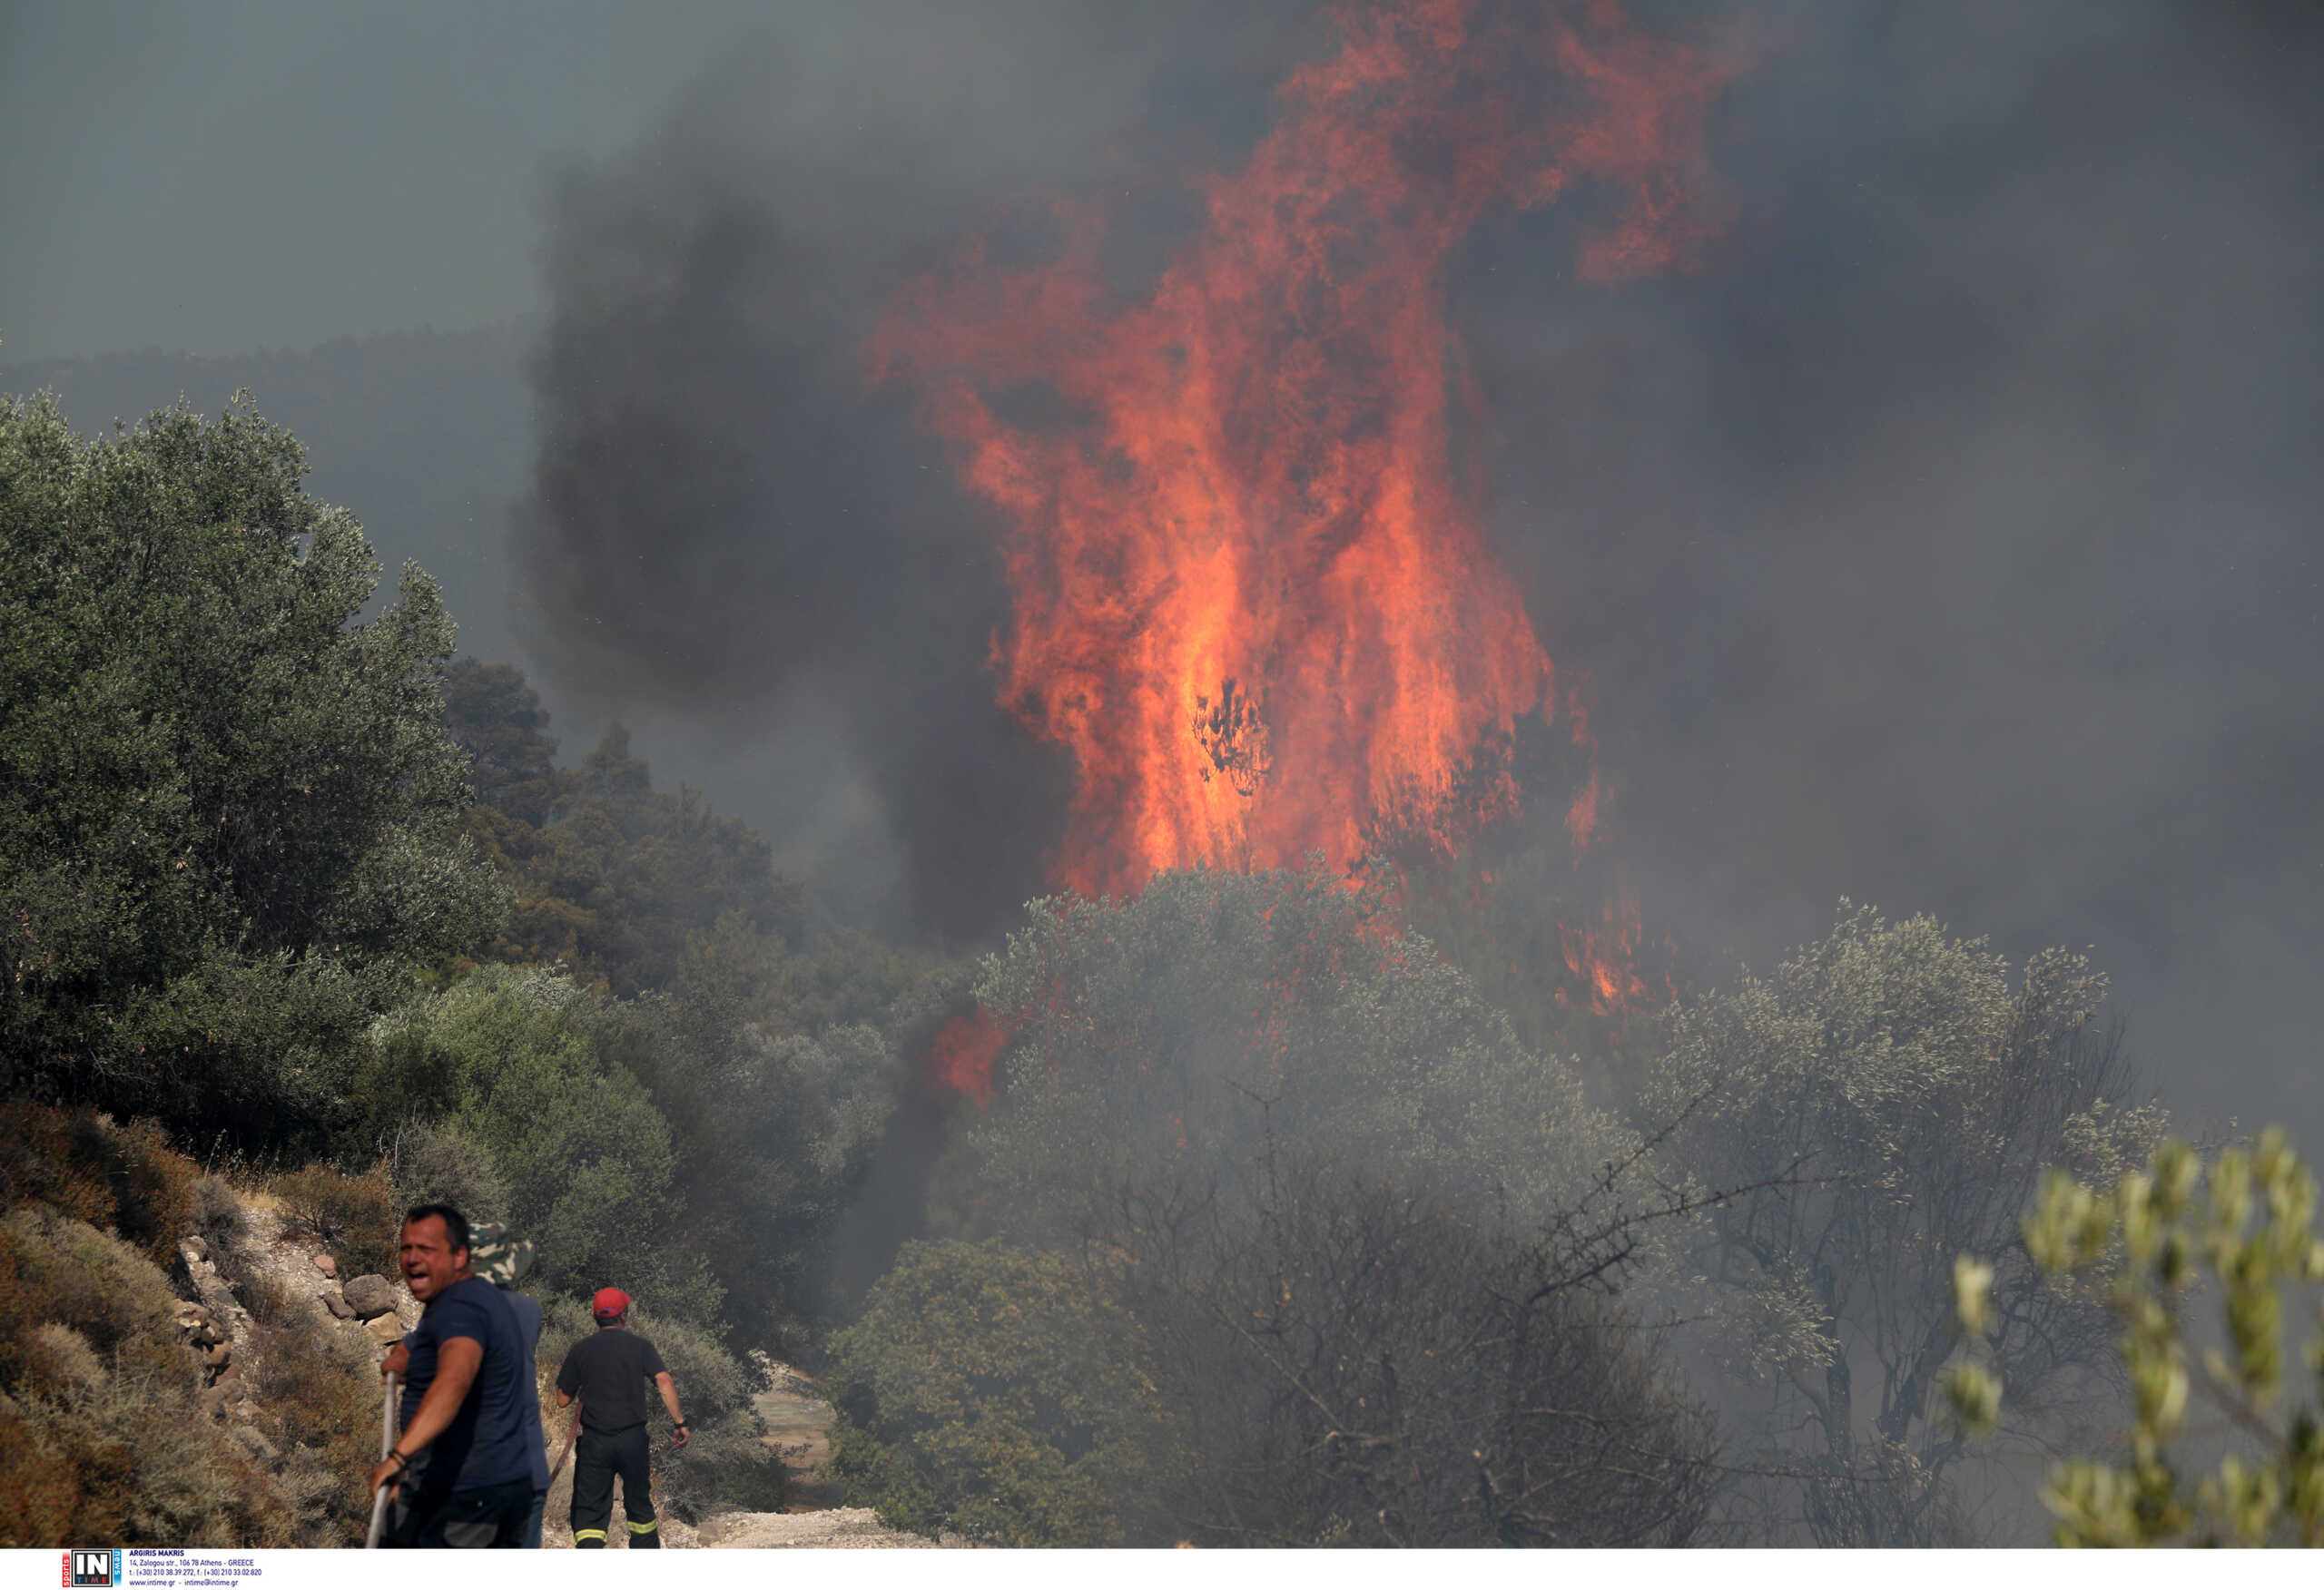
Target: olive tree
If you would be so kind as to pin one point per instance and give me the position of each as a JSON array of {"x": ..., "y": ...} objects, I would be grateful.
[
  {"x": 2242, "y": 1229},
  {"x": 229, "y": 816},
  {"x": 1172, "y": 1033},
  {"x": 1370, "y": 1243},
  {"x": 1894, "y": 1096}
]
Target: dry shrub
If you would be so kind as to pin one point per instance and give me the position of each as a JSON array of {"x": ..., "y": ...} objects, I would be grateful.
[
  {"x": 80, "y": 1164},
  {"x": 356, "y": 1217},
  {"x": 130, "y": 1460},
  {"x": 268, "y": 1300},
  {"x": 437, "y": 1162},
  {"x": 220, "y": 1219},
  {"x": 103, "y": 1436},
  {"x": 57, "y": 1271},
  {"x": 217, "y": 1216},
  {"x": 318, "y": 1391}
]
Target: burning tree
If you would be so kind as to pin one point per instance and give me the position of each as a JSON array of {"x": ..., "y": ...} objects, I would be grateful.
[{"x": 1251, "y": 594}]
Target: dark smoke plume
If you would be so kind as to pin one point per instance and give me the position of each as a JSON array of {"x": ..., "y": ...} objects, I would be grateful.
[
  {"x": 1949, "y": 542},
  {"x": 727, "y": 526}
]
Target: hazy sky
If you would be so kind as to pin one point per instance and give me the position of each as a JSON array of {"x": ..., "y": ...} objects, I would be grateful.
[{"x": 251, "y": 174}]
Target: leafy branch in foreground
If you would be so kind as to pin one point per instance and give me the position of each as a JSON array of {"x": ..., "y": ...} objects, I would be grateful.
[{"x": 2250, "y": 1223}]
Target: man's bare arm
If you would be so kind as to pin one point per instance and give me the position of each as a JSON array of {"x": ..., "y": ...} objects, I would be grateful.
[
  {"x": 457, "y": 1363},
  {"x": 669, "y": 1389}
]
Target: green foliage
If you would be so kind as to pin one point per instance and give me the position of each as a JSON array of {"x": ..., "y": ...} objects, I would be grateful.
[
  {"x": 229, "y": 817},
  {"x": 78, "y": 1162},
  {"x": 2245, "y": 1225},
  {"x": 1001, "y": 1393},
  {"x": 622, "y": 873},
  {"x": 1889, "y": 1098},
  {"x": 491, "y": 714},
  {"x": 1167, "y": 1036},
  {"x": 777, "y": 1134},
  {"x": 512, "y": 1058},
  {"x": 763, "y": 1059}
]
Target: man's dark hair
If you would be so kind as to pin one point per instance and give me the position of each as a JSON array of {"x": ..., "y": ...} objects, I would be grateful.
[{"x": 456, "y": 1224}]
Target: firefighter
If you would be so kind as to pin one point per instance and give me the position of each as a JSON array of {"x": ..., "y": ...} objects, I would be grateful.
[{"x": 609, "y": 1372}]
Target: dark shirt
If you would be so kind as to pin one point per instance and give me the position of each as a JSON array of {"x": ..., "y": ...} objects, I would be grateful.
[
  {"x": 485, "y": 1443},
  {"x": 608, "y": 1372},
  {"x": 528, "y": 1330}
]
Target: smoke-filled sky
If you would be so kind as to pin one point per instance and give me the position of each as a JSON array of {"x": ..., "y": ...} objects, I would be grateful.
[{"x": 1949, "y": 542}]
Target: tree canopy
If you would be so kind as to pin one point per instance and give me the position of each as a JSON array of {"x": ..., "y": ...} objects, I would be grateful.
[{"x": 230, "y": 818}]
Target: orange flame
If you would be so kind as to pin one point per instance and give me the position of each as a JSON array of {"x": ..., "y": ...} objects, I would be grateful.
[
  {"x": 1604, "y": 957},
  {"x": 964, "y": 1050},
  {"x": 1248, "y": 593}
]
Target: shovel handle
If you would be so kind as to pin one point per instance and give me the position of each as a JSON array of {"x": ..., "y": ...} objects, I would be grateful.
[{"x": 387, "y": 1444}]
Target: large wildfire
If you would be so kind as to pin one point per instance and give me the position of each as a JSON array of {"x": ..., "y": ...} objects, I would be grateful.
[{"x": 1251, "y": 594}]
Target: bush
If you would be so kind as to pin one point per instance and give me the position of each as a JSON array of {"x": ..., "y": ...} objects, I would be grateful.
[
  {"x": 1001, "y": 1393},
  {"x": 2247, "y": 1225},
  {"x": 229, "y": 817},
  {"x": 128, "y": 1461},
  {"x": 317, "y": 1393},
  {"x": 1888, "y": 1098},
  {"x": 80, "y": 1164},
  {"x": 512, "y": 1058},
  {"x": 101, "y": 1437},
  {"x": 356, "y": 1217},
  {"x": 218, "y": 1217},
  {"x": 57, "y": 1271},
  {"x": 1362, "y": 1360},
  {"x": 440, "y": 1162},
  {"x": 1172, "y": 1033}
]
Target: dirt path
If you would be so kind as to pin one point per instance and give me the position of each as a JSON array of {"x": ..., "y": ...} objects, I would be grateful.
[{"x": 799, "y": 1427}]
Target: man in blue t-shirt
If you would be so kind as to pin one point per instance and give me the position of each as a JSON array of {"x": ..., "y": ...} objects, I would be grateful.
[{"x": 464, "y": 1405}]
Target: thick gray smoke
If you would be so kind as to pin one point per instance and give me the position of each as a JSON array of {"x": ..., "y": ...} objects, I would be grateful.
[
  {"x": 726, "y": 523},
  {"x": 1946, "y": 543}
]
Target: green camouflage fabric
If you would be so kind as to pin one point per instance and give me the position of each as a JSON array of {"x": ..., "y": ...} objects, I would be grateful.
[{"x": 495, "y": 1255}]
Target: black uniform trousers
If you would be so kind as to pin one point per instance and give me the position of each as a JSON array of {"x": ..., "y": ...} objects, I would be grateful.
[
  {"x": 492, "y": 1516},
  {"x": 597, "y": 1456}
]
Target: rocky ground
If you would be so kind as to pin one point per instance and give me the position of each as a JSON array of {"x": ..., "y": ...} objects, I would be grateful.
[{"x": 373, "y": 1310}]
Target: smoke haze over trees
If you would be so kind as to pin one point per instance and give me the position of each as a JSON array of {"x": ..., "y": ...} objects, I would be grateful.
[
  {"x": 1943, "y": 537},
  {"x": 1941, "y": 544},
  {"x": 1942, "y": 541}
]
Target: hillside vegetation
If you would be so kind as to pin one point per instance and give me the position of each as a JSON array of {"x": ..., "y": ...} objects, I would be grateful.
[{"x": 1233, "y": 1212}]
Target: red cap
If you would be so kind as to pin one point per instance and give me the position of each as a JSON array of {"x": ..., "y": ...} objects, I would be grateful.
[{"x": 610, "y": 1304}]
